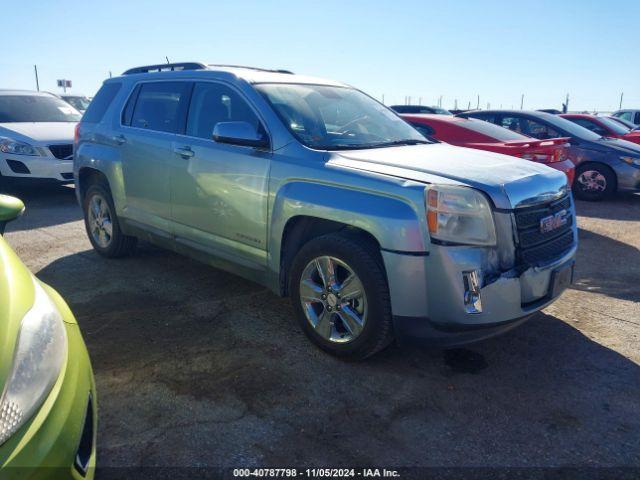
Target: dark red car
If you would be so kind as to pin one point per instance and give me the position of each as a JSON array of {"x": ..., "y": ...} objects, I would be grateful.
[
  {"x": 603, "y": 126},
  {"x": 472, "y": 133}
]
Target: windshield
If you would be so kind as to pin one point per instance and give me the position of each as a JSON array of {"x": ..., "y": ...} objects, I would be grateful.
[
  {"x": 615, "y": 126},
  {"x": 334, "y": 118},
  {"x": 494, "y": 131},
  {"x": 79, "y": 103},
  {"x": 569, "y": 127},
  {"x": 36, "y": 108}
]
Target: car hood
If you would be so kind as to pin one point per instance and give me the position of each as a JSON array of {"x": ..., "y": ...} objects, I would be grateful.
[
  {"x": 509, "y": 181},
  {"x": 618, "y": 145},
  {"x": 16, "y": 298},
  {"x": 39, "y": 132}
]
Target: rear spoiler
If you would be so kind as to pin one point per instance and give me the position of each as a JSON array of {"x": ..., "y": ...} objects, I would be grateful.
[{"x": 533, "y": 143}]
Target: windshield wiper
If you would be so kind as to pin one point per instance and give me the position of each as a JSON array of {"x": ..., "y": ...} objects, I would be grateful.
[{"x": 407, "y": 141}]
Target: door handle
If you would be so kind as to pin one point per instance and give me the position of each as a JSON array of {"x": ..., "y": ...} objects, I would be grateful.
[
  {"x": 119, "y": 139},
  {"x": 184, "y": 152}
]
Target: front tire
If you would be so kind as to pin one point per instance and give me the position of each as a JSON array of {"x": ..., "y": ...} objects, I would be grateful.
[
  {"x": 594, "y": 182},
  {"x": 340, "y": 295},
  {"x": 102, "y": 225}
]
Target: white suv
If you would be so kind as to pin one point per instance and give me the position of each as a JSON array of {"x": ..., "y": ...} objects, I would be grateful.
[
  {"x": 36, "y": 137},
  {"x": 629, "y": 115}
]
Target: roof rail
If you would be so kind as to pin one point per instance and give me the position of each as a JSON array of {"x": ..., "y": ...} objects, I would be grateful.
[
  {"x": 288, "y": 72},
  {"x": 162, "y": 67}
]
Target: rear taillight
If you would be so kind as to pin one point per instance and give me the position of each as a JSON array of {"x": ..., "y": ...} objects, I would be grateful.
[
  {"x": 557, "y": 155},
  {"x": 76, "y": 134}
]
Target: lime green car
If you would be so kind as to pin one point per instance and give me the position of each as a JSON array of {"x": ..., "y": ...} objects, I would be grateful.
[{"x": 48, "y": 402}]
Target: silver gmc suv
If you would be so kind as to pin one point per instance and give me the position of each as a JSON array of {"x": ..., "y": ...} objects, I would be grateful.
[{"x": 319, "y": 192}]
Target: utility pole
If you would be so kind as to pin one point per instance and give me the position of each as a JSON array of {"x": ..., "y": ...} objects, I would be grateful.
[
  {"x": 455, "y": 104},
  {"x": 478, "y": 106},
  {"x": 383, "y": 99},
  {"x": 469, "y": 105},
  {"x": 109, "y": 73},
  {"x": 35, "y": 69},
  {"x": 621, "y": 97},
  {"x": 167, "y": 59},
  {"x": 440, "y": 101},
  {"x": 488, "y": 106},
  {"x": 419, "y": 100},
  {"x": 522, "y": 102},
  {"x": 565, "y": 107}
]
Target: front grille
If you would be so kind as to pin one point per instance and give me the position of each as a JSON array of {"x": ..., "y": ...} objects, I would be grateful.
[
  {"x": 535, "y": 246},
  {"x": 63, "y": 152}
]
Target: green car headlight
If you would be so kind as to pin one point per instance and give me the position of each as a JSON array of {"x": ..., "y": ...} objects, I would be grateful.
[{"x": 41, "y": 350}]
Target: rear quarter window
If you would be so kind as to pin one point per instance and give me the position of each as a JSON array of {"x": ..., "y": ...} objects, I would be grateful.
[{"x": 100, "y": 103}]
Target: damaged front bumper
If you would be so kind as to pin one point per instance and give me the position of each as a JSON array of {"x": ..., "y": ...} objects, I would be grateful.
[{"x": 456, "y": 294}]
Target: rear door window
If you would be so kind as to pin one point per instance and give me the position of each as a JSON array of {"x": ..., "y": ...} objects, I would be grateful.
[{"x": 160, "y": 106}]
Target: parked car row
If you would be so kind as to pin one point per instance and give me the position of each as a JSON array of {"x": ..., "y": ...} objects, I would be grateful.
[
  {"x": 604, "y": 164},
  {"x": 379, "y": 227}
]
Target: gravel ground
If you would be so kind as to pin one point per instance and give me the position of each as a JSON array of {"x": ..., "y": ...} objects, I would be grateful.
[{"x": 198, "y": 367}]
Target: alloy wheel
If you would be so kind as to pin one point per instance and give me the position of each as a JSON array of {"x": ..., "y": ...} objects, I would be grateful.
[
  {"x": 333, "y": 299},
  {"x": 592, "y": 181},
  {"x": 100, "y": 221}
]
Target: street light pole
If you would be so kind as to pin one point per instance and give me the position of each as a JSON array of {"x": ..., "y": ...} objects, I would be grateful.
[{"x": 35, "y": 69}]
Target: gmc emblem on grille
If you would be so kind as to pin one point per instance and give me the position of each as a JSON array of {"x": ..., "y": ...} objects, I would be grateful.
[{"x": 552, "y": 222}]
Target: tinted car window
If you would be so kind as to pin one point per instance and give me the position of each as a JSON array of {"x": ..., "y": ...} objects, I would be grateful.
[
  {"x": 425, "y": 130},
  {"x": 493, "y": 131},
  {"x": 589, "y": 125},
  {"x": 212, "y": 103},
  {"x": 487, "y": 117},
  {"x": 158, "y": 106},
  {"x": 101, "y": 102},
  {"x": 637, "y": 121},
  {"x": 36, "y": 108},
  {"x": 625, "y": 115}
]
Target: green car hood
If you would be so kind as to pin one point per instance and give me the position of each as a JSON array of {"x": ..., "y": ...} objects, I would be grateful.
[{"x": 16, "y": 298}]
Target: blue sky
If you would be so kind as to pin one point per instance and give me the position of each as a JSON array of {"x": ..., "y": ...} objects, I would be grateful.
[{"x": 458, "y": 49}]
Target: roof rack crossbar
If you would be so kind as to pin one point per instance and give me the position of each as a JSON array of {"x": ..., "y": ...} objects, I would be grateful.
[
  {"x": 288, "y": 72},
  {"x": 163, "y": 67}
]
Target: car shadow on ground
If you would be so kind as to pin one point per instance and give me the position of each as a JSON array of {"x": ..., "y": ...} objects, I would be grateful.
[
  {"x": 623, "y": 206},
  {"x": 56, "y": 199},
  {"x": 216, "y": 367},
  {"x": 595, "y": 272}
]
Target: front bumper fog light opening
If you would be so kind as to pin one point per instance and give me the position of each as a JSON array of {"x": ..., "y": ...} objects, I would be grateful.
[
  {"x": 85, "y": 447},
  {"x": 472, "y": 297}
]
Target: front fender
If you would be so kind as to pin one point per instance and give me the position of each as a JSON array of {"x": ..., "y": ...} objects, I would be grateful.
[{"x": 393, "y": 222}]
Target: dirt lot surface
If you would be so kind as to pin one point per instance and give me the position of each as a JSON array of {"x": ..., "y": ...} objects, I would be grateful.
[{"x": 198, "y": 367}]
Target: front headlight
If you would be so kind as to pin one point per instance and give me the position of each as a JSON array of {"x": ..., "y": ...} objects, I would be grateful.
[
  {"x": 40, "y": 352},
  {"x": 631, "y": 161},
  {"x": 459, "y": 215},
  {"x": 8, "y": 145}
]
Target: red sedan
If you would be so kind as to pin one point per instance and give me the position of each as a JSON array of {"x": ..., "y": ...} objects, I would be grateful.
[
  {"x": 472, "y": 133},
  {"x": 603, "y": 126}
]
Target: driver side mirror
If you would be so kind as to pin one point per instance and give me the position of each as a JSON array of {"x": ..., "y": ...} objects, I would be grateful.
[
  {"x": 239, "y": 133},
  {"x": 10, "y": 209}
]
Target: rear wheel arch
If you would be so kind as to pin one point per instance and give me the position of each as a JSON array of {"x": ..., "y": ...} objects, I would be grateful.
[{"x": 88, "y": 176}]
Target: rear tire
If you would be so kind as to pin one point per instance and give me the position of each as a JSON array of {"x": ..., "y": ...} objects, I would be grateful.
[
  {"x": 594, "y": 182},
  {"x": 340, "y": 295},
  {"x": 102, "y": 224}
]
